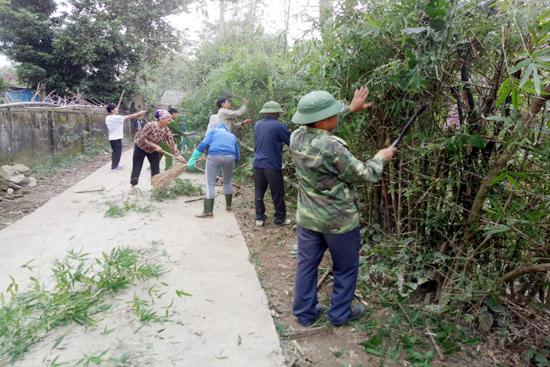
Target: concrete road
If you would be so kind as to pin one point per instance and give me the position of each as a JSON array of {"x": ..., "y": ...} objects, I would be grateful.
[{"x": 226, "y": 321}]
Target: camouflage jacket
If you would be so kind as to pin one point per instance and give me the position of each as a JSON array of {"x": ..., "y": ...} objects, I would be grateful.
[{"x": 327, "y": 172}]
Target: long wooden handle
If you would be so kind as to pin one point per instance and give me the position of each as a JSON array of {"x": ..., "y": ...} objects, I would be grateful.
[
  {"x": 407, "y": 126},
  {"x": 168, "y": 154},
  {"x": 120, "y": 99},
  {"x": 171, "y": 155}
]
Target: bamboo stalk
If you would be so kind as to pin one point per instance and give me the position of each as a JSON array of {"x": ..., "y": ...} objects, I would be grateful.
[
  {"x": 434, "y": 343},
  {"x": 399, "y": 204}
]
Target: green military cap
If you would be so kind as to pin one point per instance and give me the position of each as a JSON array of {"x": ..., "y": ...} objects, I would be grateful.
[
  {"x": 316, "y": 106},
  {"x": 271, "y": 107}
]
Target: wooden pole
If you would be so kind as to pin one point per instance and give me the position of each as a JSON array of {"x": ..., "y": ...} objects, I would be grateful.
[{"x": 120, "y": 99}]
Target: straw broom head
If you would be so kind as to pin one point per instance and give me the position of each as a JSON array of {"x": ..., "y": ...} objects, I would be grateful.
[{"x": 164, "y": 179}]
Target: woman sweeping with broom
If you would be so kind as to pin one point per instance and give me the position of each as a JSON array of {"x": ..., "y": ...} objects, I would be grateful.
[
  {"x": 146, "y": 145},
  {"x": 223, "y": 151}
]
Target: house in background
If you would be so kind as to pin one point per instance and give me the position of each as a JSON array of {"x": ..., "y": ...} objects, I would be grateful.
[
  {"x": 18, "y": 92},
  {"x": 171, "y": 98}
]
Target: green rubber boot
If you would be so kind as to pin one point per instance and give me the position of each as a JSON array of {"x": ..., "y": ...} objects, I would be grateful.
[
  {"x": 228, "y": 201},
  {"x": 208, "y": 210}
]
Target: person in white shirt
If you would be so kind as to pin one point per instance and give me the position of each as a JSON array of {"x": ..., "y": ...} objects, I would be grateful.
[
  {"x": 115, "y": 126},
  {"x": 227, "y": 116}
]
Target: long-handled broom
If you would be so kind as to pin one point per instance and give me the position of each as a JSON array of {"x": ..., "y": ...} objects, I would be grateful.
[{"x": 164, "y": 179}]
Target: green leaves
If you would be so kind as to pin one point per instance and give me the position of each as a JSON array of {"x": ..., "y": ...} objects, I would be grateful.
[
  {"x": 536, "y": 358},
  {"x": 181, "y": 293},
  {"x": 373, "y": 346},
  {"x": 118, "y": 211},
  {"x": 504, "y": 91},
  {"x": 476, "y": 140},
  {"x": 530, "y": 70},
  {"x": 179, "y": 188},
  {"x": 414, "y": 30},
  {"x": 491, "y": 230},
  {"x": 80, "y": 291}
]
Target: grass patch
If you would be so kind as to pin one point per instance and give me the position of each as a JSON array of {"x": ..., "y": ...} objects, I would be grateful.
[
  {"x": 281, "y": 329},
  {"x": 80, "y": 290},
  {"x": 178, "y": 188},
  {"x": 60, "y": 161},
  {"x": 118, "y": 211},
  {"x": 402, "y": 334}
]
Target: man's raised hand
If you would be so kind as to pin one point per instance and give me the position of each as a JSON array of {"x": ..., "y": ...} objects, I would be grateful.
[{"x": 358, "y": 102}]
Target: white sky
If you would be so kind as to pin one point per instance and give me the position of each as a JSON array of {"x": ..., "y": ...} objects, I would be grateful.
[
  {"x": 270, "y": 16},
  {"x": 4, "y": 60}
]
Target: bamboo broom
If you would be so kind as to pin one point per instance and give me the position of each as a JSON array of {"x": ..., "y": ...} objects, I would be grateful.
[{"x": 163, "y": 179}]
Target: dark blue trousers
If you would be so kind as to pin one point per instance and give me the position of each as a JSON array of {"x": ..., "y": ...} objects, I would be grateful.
[
  {"x": 344, "y": 250},
  {"x": 263, "y": 178}
]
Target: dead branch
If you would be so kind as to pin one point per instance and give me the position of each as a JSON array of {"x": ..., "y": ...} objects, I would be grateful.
[
  {"x": 540, "y": 268},
  {"x": 360, "y": 298},
  {"x": 92, "y": 190},
  {"x": 502, "y": 161},
  {"x": 192, "y": 200},
  {"x": 306, "y": 332},
  {"x": 435, "y": 345}
]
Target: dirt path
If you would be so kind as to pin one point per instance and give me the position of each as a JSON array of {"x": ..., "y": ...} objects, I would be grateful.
[
  {"x": 226, "y": 321},
  {"x": 322, "y": 345},
  {"x": 48, "y": 187}
]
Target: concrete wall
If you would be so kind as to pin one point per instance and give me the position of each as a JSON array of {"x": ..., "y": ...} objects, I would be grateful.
[{"x": 30, "y": 135}]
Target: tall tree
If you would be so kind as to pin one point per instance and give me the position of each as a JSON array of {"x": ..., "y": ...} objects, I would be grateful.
[
  {"x": 95, "y": 49},
  {"x": 325, "y": 11},
  {"x": 287, "y": 25},
  {"x": 26, "y": 35},
  {"x": 221, "y": 20}
]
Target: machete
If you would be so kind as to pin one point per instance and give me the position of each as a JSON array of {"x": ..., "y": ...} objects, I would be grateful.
[{"x": 407, "y": 126}]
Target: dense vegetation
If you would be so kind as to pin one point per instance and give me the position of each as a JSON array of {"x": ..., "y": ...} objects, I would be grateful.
[{"x": 460, "y": 221}]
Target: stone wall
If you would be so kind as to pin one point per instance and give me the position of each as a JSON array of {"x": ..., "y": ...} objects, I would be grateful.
[{"x": 30, "y": 135}]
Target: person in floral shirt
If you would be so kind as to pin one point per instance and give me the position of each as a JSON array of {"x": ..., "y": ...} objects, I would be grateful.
[{"x": 147, "y": 145}]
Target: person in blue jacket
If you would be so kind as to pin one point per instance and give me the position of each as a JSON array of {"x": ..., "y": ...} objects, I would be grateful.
[
  {"x": 223, "y": 152},
  {"x": 269, "y": 137}
]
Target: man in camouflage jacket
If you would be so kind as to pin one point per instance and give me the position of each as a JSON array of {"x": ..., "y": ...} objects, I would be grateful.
[{"x": 327, "y": 216}]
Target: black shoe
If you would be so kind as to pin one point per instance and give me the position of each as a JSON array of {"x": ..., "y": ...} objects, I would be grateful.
[
  {"x": 284, "y": 222},
  {"x": 320, "y": 309},
  {"x": 357, "y": 310}
]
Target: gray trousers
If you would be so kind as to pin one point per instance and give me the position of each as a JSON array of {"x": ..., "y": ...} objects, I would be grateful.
[{"x": 213, "y": 165}]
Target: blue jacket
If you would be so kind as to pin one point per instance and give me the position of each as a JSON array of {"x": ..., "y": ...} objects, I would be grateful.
[
  {"x": 269, "y": 137},
  {"x": 220, "y": 142}
]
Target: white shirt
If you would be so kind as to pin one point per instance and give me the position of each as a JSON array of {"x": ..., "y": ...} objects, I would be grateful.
[
  {"x": 115, "y": 125},
  {"x": 213, "y": 123},
  {"x": 227, "y": 117}
]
